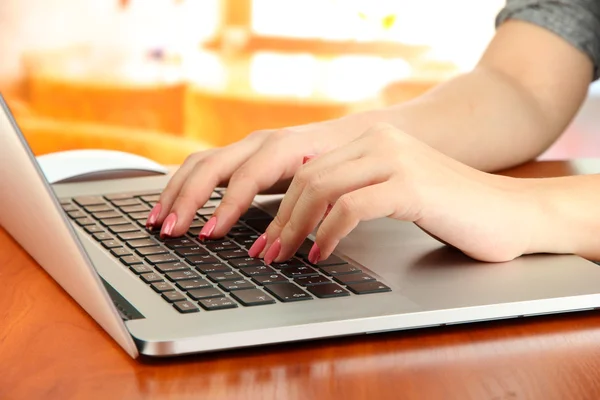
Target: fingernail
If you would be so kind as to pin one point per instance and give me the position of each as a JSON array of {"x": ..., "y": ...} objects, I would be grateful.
[
  {"x": 258, "y": 246},
  {"x": 314, "y": 255},
  {"x": 153, "y": 216},
  {"x": 168, "y": 225},
  {"x": 208, "y": 228},
  {"x": 307, "y": 158},
  {"x": 273, "y": 251}
]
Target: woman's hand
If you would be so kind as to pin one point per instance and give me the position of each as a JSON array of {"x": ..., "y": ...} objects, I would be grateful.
[
  {"x": 387, "y": 173},
  {"x": 263, "y": 161}
]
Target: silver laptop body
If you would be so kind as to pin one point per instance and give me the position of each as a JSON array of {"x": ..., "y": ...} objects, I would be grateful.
[{"x": 431, "y": 284}]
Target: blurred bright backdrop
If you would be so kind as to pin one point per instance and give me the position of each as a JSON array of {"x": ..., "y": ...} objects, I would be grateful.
[{"x": 163, "y": 78}]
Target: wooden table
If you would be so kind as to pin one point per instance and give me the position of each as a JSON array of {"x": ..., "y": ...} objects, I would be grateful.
[{"x": 51, "y": 349}]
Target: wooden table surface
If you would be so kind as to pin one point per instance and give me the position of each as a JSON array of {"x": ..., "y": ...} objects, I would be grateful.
[{"x": 51, "y": 349}]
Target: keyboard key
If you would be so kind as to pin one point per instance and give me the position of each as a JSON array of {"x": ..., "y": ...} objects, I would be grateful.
[
  {"x": 179, "y": 243},
  {"x": 134, "y": 244},
  {"x": 201, "y": 259},
  {"x": 255, "y": 213},
  {"x": 252, "y": 297},
  {"x": 194, "y": 232},
  {"x": 368, "y": 287},
  {"x": 193, "y": 284},
  {"x": 185, "y": 307},
  {"x": 260, "y": 225},
  {"x": 182, "y": 275},
  {"x": 245, "y": 262},
  {"x": 151, "y": 250},
  {"x": 109, "y": 244},
  {"x": 328, "y": 290},
  {"x": 295, "y": 272},
  {"x": 305, "y": 248},
  {"x": 99, "y": 208},
  {"x": 246, "y": 242},
  {"x": 236, "y": 285},
  {"x": 130, "y": 260},
  {"x": 224, "y": 276},
  {"x": 120, "y": 251},
  {"x": 259, "y": 270},
  {"x": 134, "y": 209},
  {"x": 126, "y": 236},
  {"x": 89, "y": 200},
  {"x": 140, "y": 215},
  {"x": 106, "y": 214},
  {"x": 219, "y": 303},
  {"x": 120, "y": 196},
  {"x": 173, "y": 296},
  {"x": 332, "y": 260},
  {"x": 215, "y": 196},
  {"x": 114, "y": 221},
  {"x": 290, "y": 263},
  {"x": 161, "y": 287},
  {"x": 211, "y": 204},
  {"x": 340, "y": 269},
  {"x": 222, "y": 245},
  {"x": 100, "y": 236},
  {"x": 353, "y": 278},
  {"x": 151, "y": 278},
  {"x": 150, "y": 197},
  {"x": 214, "y": 267},
  {"x": 126, "y": 202},
  {"x": 170, "y": 267},
  {"x": 229, "y": 254},
  {"x": 94, "y": 228},
  {"x": 312, "y": 280},
  {"x": 77, "y": 214},
  {"x": 269, "y": 279},
  {"x": 85, "y": 221},
  {"x": 123, "y": 228},
  {"x": 197, "y": 223},
  {"x": 161, "y": 258},
  {"x": 69, "y": 207},
  {"x": 140, "y": 269},
  {"x": 287, "y": 292},
  {"x": 205, "y": 211},
  {"x": 241, "y": 232},
  {"x": 206, "y": 293},
  {"x": 191, "y": 251}
]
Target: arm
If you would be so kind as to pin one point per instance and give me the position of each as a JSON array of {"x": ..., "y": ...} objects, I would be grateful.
[{"x": 523, "y": 93}]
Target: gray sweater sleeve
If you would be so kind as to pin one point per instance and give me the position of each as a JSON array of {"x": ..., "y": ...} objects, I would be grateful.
[{"x": 576, "y": 21}]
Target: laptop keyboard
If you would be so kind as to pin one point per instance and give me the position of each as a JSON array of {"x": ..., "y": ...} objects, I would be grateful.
[{"x": 214, "y": 274}]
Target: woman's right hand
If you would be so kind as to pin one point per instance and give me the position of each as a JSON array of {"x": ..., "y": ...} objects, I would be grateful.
[{"x": 264, "y": 161}]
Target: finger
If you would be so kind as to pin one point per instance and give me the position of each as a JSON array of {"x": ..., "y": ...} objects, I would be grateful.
[
  {"x": 272, "y": 163},
  {"x": 351, "y": 151},
  {"x": 364, "y": 204},
  {"x": 200, "y": 183},
  {"x": 159, "y": 211},
  {"x": 323, "y": 189}
]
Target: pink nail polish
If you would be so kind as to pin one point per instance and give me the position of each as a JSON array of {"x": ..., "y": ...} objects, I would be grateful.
[
  {"x": 168, "y": 225},
  {"x": 258, "y": 246},
  {"x": 153, "y": 216},
  {"x": 273, "y": 251},
  {"x": 307, "y": 158},
  {"x": 314, "y": 255},
  {"x": 208, "y": 228}
]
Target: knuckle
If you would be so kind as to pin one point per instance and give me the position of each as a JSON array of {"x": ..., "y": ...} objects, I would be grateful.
[
  {"x": 317, "y": 182},
  {"x": 347, "y": 205}
]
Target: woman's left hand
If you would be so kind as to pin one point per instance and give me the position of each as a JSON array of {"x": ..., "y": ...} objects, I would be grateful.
[{"x": 388, "y": 173}]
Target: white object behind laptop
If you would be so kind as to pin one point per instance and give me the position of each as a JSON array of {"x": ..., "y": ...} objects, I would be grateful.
[{"x": 80, "y": 165}]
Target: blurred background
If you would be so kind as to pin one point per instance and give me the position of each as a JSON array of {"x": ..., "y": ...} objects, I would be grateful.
[{"x": 164, "y": 78}]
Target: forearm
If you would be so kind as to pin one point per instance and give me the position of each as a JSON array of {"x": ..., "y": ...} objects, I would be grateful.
[
  {"x": 528, "y": 86},
  {"x": 568, "y": 215}
]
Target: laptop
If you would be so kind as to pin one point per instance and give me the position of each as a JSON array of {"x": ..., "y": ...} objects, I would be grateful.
[{"x": 161, "y": 298}]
